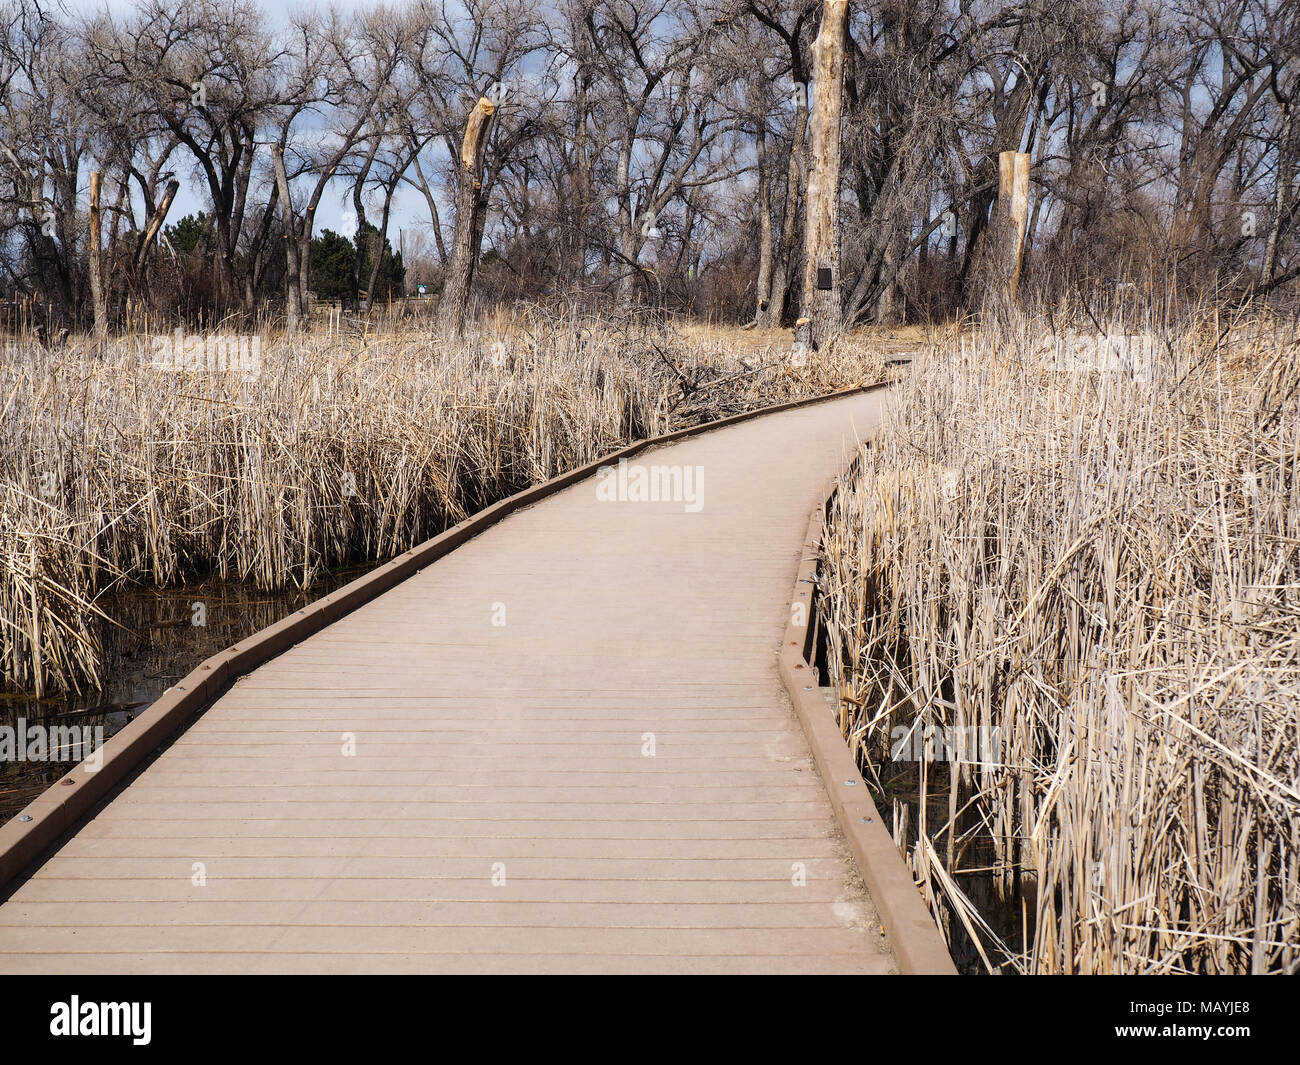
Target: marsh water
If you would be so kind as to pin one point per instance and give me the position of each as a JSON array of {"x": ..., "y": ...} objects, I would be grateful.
[{"x": 159, "y": 635}]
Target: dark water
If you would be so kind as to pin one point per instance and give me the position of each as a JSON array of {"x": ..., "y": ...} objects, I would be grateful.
[
  {"x": 1010, "y": 916},
  {"x": 161, "y": 634}
]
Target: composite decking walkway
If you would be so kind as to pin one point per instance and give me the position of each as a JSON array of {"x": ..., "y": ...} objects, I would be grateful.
[{"x": 563, "y": 747}]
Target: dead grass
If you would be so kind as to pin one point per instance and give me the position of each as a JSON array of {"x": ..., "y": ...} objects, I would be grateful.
[{"x": 738, "y": 340}]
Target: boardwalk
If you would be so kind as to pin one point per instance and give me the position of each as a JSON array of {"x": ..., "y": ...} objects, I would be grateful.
[{"x": 563, "y": 747}]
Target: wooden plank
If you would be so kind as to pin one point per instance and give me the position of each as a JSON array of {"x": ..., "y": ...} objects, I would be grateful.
[{"x": 287, "y": 962}]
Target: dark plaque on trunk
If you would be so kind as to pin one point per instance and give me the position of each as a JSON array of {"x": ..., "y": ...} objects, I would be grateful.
[{"x": 824, "y": 278}]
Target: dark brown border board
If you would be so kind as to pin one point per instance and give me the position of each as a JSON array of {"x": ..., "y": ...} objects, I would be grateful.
[
  {"x": 910, "y": 929},
  {"x": 60, "y": 808}
]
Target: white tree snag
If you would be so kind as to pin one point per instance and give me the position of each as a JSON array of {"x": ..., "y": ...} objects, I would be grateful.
[
  {"x": 454, "y": 301},
  {"x": 821, "y": 271},
  {"x": 1002, "y": 247},
  {"x": 1013, "y": 206},
  {"x": 96, "y": 261},
  {"x": 471, "y": 150}
]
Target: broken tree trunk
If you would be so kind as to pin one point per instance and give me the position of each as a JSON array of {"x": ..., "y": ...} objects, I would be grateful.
[
  {"x": 470, "y": 203},
  {"x": 96, "y": 262},
  {"x": 821, "y": 271},
  {"x": 155, "y": 225},
  {"x": 1003, "y": 245}
]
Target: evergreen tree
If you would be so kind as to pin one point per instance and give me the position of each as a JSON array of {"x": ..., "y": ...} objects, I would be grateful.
[
  {"x": 392, "y": 274},
  {"x": 189, "y": 233},
  {"x": 332, "y": 256}
]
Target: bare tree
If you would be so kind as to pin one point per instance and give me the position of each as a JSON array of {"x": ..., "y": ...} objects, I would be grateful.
[
  {"x": 45, "y": 138},
  {"x": 659, "y": 110},
  {"x": 344, "y": 69},
  {"x": 786, "y": 253},
  {"x": 468, "y": 69}
]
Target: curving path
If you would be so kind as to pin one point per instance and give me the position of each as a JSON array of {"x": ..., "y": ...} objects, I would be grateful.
[{"x": 563, "y": 747}]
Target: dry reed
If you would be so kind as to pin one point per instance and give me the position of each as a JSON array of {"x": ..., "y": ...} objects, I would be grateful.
[{"x": 1101, "y": 570}]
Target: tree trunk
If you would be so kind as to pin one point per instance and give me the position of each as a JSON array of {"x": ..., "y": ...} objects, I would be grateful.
[
  {"x": 96, "y": 262},
  {"x": 1013, "y": 203},
  {"x": 999, "y": 258},
  {"x": 821, "y": 272},
  {"x": 304, "y": 258},
  {"x": 155, "y": 224},
  {"x": 1281, "y": 198},
  {"x": 380, "y": 239},
  {"x": 763, "y": 284},
  {"x": 782, "y": 275},
  {"x": 258, "y": 251},
  {"x": 576, "y": 265},
  {"x": 454, "y": 300},
  {"x": 363, "y": 224},
  {"x": 629, "y": 248},
  {"x": 292, "y": 261},
  {"x": 886, "y": 311}
]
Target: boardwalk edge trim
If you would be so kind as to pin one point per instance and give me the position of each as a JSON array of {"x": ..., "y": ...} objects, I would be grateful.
[
  {"x": 59, "y": 811},
  {"x": 909, "y": 928}
]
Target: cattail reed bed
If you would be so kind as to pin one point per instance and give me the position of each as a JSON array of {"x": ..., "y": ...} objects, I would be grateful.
[
  {"x": 319, "y": 452},
  {"x": 1090, "y": 577}
]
